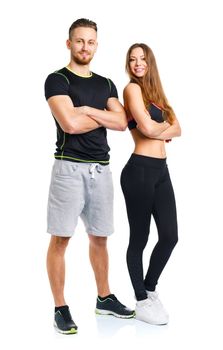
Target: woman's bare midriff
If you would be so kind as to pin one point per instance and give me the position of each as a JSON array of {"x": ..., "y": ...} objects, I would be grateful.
[{"x": 148, "y": 147}]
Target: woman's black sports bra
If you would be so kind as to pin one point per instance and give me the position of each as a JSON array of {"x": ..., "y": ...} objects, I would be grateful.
[{"x": 155, "y": 112}]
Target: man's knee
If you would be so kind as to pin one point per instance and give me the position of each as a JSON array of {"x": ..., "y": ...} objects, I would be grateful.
[
  {"x": 98, "y": 242},
  {"x": 59, "y": 243}
]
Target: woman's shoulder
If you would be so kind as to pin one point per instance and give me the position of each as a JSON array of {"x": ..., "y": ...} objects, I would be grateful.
[{"x": 132, "y": 87}]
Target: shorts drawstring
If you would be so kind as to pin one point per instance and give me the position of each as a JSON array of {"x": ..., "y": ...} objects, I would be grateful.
[{"x": 92, "y": 168}]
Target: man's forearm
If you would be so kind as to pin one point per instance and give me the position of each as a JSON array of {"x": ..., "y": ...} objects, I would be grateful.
[
  {"x": 72, "y": 120},
  {"x": 109, "y": 119},
  {"x": 81, "y": 124}
]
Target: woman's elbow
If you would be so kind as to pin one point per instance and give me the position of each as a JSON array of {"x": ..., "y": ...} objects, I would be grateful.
[
  {"x": 151, "y": 132},
  {"x": 145, "y": 130}
]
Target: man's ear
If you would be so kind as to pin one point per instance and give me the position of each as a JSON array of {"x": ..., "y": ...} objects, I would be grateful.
[
  {"x": 96, "y": 46},
  {"x": 68, "y": 43}
]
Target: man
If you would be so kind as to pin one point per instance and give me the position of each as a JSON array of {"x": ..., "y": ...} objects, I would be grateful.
[{"x": 83, "y": 104}]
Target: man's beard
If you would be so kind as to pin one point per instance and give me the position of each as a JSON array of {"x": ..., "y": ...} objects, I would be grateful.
[{"x": 82, "y": 61}]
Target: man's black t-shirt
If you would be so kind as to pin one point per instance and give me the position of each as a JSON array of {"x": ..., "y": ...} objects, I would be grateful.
[{"x": 93, "y": 91}]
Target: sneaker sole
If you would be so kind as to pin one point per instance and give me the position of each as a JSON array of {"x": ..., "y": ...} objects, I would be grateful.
[
  {"x": 70, "y": 331},
  {"x": 151, "y": 322},
  {"x": 106, "y": 312}
]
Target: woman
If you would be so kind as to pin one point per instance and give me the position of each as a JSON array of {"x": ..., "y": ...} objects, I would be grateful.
[{"x": 145, "y": 179}]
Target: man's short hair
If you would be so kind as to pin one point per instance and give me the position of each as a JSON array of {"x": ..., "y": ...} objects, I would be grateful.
[{"x": 82, "y": 22}]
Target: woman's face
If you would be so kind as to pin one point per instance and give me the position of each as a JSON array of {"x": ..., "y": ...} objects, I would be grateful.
[{"x": 137, "y": 62}]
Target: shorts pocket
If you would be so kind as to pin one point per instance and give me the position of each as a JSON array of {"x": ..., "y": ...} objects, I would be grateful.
[{"x": 65, "y": 169}]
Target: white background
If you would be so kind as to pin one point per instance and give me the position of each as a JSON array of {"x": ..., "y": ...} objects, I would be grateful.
[{"x": 185, "y": 37}]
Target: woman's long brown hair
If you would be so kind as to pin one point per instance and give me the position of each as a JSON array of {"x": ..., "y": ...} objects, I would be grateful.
[{"x": 150, "y": 83}]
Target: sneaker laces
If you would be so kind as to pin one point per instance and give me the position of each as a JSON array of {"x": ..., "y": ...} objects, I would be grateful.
[
  {"x": 153, "y": 296},
  {"x": 145, "y": 303},
  {"x": 118, "y": 303},
  {"x": 66, "y": 315}
]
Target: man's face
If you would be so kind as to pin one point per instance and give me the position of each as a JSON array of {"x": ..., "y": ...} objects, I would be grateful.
[{"x": 83, "y": 45}]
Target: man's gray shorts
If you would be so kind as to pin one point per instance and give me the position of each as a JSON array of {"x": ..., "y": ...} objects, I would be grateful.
[{"x": 80, "y": 189}]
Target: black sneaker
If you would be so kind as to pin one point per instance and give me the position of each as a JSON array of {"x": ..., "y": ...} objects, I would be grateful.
[
  {"x": 111, "y": 306},
  {"x": 63, "y": 322}
]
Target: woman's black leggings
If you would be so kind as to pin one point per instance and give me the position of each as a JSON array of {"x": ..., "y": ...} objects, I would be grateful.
[{"x": 147, "y": 189}]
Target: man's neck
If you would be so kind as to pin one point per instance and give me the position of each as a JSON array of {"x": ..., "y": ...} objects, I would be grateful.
[{"x": 83, "y": 70}]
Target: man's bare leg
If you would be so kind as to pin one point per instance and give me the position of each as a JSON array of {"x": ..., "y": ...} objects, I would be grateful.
[
  {"x": 56, "y": 267},
  {"x": 99, "y": 261}
]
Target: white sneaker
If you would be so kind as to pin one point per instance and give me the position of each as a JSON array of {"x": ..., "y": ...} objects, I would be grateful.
[
  {"x": 155, "y": 298},
  {"x": 149, "y": 311}
]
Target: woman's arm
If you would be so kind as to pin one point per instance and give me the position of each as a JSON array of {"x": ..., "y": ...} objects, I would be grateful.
[
  {"x": 133, "y": 100},
  {"x": 173, "y": 131}
]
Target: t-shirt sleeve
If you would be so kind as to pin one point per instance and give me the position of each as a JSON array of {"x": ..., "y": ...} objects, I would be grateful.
[
  {"x": 56, "y": 84},
  {"x": 113, "y": 90}
]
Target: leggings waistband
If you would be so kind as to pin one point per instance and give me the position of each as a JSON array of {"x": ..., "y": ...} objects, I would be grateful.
[{"x": 139, "y": 159}]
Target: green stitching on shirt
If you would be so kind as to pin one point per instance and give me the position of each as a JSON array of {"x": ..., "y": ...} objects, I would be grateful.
[
  {"x": 56, "y": 72},
  {"x": 109, "y": 83},
  {"x": 64, "y": 138},
  {"x": 82, "y": 160}
]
